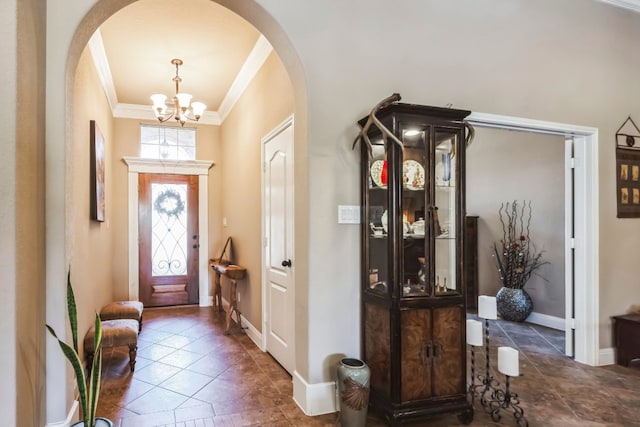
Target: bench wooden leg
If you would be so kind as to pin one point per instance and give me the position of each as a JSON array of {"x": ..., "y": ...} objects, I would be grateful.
[
  {"x": 133, "y": 351},
  {"x": 233, "y": 306}
]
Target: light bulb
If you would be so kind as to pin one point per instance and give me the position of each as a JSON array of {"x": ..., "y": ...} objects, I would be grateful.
[
  {"x": 183, "y": 100},
  {"x": 198, "y": 109}
]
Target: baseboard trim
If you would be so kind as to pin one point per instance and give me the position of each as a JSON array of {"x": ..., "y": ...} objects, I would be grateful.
[
  {"x": 546, "y": 320},
  {"x": 607, "y": 356},
  {"x": 252, "y": 332},
  {"x": 70, "y": 416},
  {"x": 314, "y": 399}
]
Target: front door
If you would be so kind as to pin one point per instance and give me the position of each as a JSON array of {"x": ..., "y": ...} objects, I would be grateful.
[
  {"x": 168, "y": 239},
  {"x": 279, "y": 263}
]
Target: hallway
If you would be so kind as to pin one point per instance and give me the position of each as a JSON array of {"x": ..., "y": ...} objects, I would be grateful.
[{"x": 189, "y": 374}]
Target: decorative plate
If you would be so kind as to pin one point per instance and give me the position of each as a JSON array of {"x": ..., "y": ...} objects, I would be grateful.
[
  {"x": 412, "y": 175},
  {"x": 376, "y": 173}
]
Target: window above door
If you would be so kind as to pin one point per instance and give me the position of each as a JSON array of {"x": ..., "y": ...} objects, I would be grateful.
[{"x": 167, "y": 143}]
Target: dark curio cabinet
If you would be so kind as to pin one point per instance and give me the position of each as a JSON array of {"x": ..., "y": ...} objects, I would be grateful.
[{"x": 413, "y": 296}]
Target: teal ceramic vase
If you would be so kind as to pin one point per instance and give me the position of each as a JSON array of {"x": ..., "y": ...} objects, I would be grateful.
[
  {"x": 513, "y": 304},
  {"x": 353, "y": 385}
]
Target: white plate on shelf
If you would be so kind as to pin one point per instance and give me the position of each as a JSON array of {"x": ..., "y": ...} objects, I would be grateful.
[
  {"x": 376, "y": 172},
  {"x": 412, "y": 175}
]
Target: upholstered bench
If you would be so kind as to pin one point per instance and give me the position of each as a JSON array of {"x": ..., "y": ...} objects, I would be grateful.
[
  {"x": 115, "y": 333},
  {"x": 123, "y": 310}
]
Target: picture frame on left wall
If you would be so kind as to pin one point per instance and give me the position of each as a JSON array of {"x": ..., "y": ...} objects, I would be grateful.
[{"x": 97, "y": 166}]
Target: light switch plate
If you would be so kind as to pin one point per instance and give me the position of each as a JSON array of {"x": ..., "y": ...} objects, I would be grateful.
[{"x": 348, "y": 214}]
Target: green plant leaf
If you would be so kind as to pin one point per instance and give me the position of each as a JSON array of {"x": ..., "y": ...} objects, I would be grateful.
[
  {"x": 72, "y": 312},
  {"x": 76, "y": 364},
  {"x": 94, "y": 385}
]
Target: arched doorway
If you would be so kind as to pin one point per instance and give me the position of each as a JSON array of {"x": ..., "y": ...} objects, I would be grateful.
[{"x": 63, "y": 59}]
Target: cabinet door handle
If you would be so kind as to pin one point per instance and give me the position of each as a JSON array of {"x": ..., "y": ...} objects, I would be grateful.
[
  {"x": 426, "y": 353},
  {"x": 286, "y": 263},
  {"x": 437, "y": 350}
]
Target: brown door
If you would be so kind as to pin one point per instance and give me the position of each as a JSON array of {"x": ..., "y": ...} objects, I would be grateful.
[
  {"x": 448, "y": 348},
  {"x": 168, "y": 241}
]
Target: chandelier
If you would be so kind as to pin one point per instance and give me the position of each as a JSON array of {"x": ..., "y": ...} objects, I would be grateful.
[{"x": 183, "y": 109}]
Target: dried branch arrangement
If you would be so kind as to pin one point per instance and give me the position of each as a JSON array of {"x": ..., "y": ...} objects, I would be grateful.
[{"x": 516, "y": 256}]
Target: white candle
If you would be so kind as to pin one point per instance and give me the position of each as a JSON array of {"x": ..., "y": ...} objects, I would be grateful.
[
  {"x": 508, "y": 361},
  {"x": 474, "y": 332},
  {"x": 487, "y": 308}
]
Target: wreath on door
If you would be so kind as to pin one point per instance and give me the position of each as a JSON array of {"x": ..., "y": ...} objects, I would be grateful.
[{"x": 169, "y": 203}]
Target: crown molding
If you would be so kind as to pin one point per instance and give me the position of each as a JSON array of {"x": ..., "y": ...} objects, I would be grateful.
[
  {"x": 258, "y": 55},
  {"x": 632, "y": 5},
  {"x": 99, "y": 55}
]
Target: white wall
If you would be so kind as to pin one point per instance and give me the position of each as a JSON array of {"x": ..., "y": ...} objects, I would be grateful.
[{"x": 503, "y": 166}]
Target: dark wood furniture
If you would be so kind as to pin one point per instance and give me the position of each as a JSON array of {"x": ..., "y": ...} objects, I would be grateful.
[
  {"x": 413, "y": 291},
  {"x": 223, "y": 267},
  {"x": 626, "y": 337},
  {"x": 470, "y": 270}
]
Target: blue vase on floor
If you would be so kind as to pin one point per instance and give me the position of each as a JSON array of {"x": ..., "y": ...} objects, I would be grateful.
[
  {"x": 353, "y": 385},
  {"x": 514, "y": 304}
]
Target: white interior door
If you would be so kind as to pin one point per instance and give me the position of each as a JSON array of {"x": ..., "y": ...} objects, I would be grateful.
[
  {"x": 569, "y": 251},
  {"x": 279, "y": 265}
]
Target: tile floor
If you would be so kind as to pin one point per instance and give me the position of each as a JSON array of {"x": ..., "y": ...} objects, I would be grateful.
[{"x": 189, "y": 374}]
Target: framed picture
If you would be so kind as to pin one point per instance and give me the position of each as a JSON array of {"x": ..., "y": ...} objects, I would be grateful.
[
  {"x": 97, "y": 193},
  {"x": 628, "y": 170}
]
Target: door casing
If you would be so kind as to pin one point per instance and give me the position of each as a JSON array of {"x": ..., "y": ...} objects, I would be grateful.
[
  {"x": 586, "y": 220},
  {"x": 183, "y": 167}
]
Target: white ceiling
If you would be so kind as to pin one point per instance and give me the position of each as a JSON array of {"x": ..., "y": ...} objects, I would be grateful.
[{"x": 133, "y": 50}]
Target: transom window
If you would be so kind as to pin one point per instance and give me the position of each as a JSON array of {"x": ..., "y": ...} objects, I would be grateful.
[{"x": 167, "y": 143}]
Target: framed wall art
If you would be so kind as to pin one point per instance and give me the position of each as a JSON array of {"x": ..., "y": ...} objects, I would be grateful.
[
  {"x": 97, "y": 167},
  {"x": 628, "y": 170}
]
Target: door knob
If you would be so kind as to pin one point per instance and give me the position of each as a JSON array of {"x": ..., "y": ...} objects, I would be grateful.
[{"x": 286, "y": 263}]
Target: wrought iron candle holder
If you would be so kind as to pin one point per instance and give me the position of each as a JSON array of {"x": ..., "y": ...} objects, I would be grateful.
[
  {"x": 505, "y": 399},
  {"x": 492, "y": 397},
  {"x": 487, "y": 385}
]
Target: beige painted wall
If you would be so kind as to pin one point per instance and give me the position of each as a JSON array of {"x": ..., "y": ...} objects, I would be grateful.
[
  {"x": 266, "y": 103},
  {"x": 22, "y": 255},
  {"x": 503, "y": 166},
  {"x": 91, "y": 271},
  {"x": 126, "y": 143}
]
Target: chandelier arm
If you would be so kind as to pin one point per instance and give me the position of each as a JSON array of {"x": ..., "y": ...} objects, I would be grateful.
[{"x": 181, "y": 114}]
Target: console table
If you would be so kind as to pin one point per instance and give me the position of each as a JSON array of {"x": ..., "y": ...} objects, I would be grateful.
[
  {"x": 626, "y": 336},
  {"x": 234, "y": 273}
]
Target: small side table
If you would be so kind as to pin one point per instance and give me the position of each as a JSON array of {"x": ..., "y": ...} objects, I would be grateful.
[
  {"x": 234, "y": 273},
  {"x": 626, "y": 338}
]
